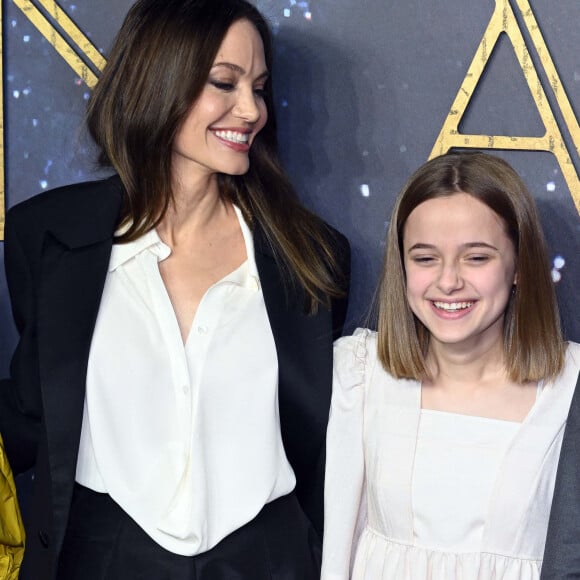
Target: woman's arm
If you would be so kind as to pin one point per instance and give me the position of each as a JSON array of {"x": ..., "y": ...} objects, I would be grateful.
[{"x": 20, "y": 404}]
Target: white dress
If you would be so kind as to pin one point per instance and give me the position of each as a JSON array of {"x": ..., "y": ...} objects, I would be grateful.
[{"x": 379, "y": 523}]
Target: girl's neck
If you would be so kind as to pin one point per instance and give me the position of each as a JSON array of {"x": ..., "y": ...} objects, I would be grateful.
[{"x": 456, "y": 367}]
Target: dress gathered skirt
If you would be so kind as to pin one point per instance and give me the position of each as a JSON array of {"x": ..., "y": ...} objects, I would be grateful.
[{"x": 379, "y": 557}]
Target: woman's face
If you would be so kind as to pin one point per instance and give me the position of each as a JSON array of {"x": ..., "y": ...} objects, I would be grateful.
[
  {"x": 460, "y": 269},
  {"x": 218, "y": 132}
]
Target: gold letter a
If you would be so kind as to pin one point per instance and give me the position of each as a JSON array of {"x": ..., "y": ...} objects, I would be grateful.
[{"x": 503, "y": 21}]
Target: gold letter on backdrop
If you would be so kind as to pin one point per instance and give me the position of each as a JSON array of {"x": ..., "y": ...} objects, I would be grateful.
[
  {"x": 85, "y": 51},
  {"x": 77, "y": 58},
  {"x": 503, "y": 20}
]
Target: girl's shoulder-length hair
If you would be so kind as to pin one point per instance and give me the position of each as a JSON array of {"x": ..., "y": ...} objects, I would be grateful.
[
  {"x": 532, "y": 338},
  {"x": 157, "y": 68}
]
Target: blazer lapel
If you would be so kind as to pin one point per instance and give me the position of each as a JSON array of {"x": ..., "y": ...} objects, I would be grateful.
[
  {"x": 304, "y": 349},
  {"x": 73, "y": 271}
]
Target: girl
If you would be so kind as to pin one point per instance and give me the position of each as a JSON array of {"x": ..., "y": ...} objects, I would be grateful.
[{"x": 446, "y": 424}]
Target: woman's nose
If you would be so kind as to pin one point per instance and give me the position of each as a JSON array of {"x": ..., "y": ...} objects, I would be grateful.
[{"x": 247, "y": 107}]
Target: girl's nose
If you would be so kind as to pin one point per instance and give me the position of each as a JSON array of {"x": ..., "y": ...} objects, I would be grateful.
[{"x": 450, "y": 279}]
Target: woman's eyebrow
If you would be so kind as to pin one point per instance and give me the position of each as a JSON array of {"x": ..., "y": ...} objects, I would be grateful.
[{"x": 238, "y": 69}]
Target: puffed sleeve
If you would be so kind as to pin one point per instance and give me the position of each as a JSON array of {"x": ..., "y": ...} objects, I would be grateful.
[{"x": 344, "y": 504}]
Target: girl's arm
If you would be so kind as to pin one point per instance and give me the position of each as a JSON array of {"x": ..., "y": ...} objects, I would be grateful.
[{"x": 344, "y": 504}]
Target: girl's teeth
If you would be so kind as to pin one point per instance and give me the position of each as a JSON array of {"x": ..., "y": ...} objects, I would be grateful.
[{"x": 452, "y": 306}]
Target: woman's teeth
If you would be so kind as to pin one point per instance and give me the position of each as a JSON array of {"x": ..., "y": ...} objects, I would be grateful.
[{"x": 233, "y": 136}]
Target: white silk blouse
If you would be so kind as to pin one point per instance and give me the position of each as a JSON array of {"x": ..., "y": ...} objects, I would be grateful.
[{"x": 184, "y": 437}]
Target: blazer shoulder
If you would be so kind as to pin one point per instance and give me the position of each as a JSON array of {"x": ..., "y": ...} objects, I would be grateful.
[
  {"x": 87, "y": 194},
  {"x": 77, "y": 214},
  {"x": 342, "y": 252}
]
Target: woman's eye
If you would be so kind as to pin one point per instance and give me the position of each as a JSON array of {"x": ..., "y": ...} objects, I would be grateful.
[
  {"x": 260, "y": 92},
  {"x": 223, "y": 85}
]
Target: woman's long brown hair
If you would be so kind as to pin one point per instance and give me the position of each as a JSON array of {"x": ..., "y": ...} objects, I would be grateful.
[{"x": 158, "y": 66}]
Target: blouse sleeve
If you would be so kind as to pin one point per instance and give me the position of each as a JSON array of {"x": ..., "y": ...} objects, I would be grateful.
[{"x": 344, "y": 505}]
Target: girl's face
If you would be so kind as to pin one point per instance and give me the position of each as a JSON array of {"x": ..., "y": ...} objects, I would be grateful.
[
  {"x": 218, "y": 132},
  {"x": 460, "y": 269}
]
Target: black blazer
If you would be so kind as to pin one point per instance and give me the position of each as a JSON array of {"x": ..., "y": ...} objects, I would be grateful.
[{"x": 57, "y": 249}]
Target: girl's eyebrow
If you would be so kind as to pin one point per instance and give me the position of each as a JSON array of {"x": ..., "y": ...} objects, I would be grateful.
[
  {"x": 238, "y": 69},
  {"x": 421, "y": 246},
  {"x": 480, "y": 245}
]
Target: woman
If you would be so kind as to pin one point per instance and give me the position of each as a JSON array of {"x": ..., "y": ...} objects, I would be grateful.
[
  {"x": 446, "y": 424},
  {"x": 172, "y": 380}
]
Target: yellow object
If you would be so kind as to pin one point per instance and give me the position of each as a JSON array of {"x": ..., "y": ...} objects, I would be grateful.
[{"x": 11, "y": 527}]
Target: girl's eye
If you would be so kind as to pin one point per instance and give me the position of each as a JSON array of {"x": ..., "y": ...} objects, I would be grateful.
[
  {"x": 478, "y": 259},
  {"x": 423, "y": 259},
  {"x": 260, "y": 92}
]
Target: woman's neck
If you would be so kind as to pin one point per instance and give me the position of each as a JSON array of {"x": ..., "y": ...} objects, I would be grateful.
[{"x": 195, "y": 209}]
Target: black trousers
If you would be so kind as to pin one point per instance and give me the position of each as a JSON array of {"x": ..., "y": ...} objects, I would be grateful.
[{"x": 103, "y": 543}]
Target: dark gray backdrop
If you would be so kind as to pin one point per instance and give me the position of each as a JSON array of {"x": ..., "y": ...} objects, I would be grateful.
[{"x": 362, "y": 90}]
